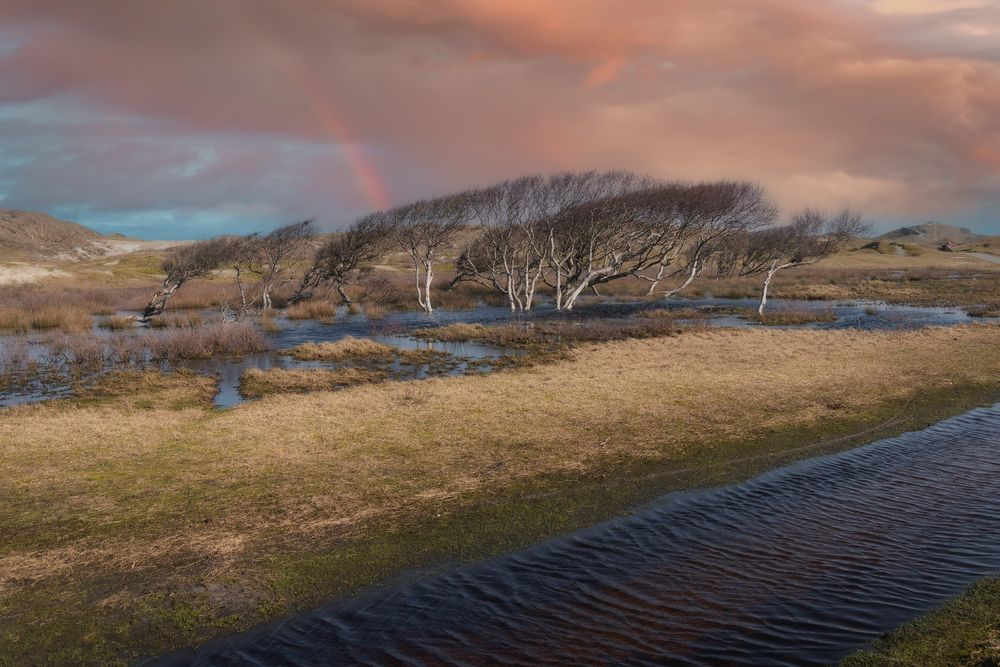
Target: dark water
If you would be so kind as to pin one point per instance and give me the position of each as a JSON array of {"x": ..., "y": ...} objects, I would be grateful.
[{"x": 799, "y": 566}]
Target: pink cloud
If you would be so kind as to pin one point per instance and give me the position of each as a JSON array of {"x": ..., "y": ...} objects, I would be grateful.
[{"x": 822, "y": 101}]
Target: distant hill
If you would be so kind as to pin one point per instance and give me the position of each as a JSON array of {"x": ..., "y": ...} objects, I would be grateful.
[
  {"x": 40, "y": 234},
  {"x": 932, "y": 234}
]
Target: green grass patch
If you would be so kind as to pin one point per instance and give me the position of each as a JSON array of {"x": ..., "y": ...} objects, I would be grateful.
[{"x": 965, "y": 631}]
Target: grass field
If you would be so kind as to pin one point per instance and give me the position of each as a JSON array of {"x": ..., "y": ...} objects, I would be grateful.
[
  {"x": 137, "y": 516},
  {"x": 966, "y": 632}
]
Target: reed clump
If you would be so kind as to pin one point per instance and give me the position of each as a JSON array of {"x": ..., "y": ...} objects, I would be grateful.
[
  {"x": 225, "y": 339},
  {"x": 47, "y": 317},
  {"x": 311, "y": 310},
  {"x": 177, "y": 320},
  {"x": 118, "y": 322}
]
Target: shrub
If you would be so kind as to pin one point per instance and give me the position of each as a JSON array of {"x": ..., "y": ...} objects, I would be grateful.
[{"x": 228, "y": 339}]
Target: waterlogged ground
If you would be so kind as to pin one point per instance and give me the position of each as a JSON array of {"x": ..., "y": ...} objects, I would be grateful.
[
  {"x": 799, "y": 566},
  {"x": 394, "y": 328}
]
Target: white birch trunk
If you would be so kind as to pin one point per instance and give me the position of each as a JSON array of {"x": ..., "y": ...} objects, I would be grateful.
[
  {"x": 767, "y": 283},
  {"x": 690, "y": 279},
  {"x": 428, "y": 279}
]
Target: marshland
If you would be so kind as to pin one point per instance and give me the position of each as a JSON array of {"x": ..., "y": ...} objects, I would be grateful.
[
  {"x": 465, "y": 332},
  {"x": 211, "y": 435}
]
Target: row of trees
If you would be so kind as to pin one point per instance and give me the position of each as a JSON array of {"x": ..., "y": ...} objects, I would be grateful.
[
  {"x": 570, "y": 232},
  {"x": 270, "y": 259}
]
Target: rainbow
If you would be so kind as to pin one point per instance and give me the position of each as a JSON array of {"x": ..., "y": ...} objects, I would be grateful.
[{"x": 369, "y": 181}]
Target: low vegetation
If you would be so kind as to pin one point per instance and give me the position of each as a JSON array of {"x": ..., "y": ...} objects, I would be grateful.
[
  {"x": 964, "y": 632},
  {"x": 671, "y": 314},
  {"x": 983, "y": 311},
  {"x": 143, "y": 519},
  {"x": 177, "y": 320},
  {"x": 793, "y": 316},
  {"x": 256, "y": 383},
  {"x": 552, "y": 336},
  {"x": 118, "y": 322},
  {"x": 364, "y": 350},
  {"x": 343, "y": 349},
  {"x": 45, "y": 318},
  {"x": 311, "y": 310}
]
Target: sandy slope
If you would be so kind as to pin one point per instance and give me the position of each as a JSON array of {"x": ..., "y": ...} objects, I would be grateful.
[{"x": 27, "y": 273}]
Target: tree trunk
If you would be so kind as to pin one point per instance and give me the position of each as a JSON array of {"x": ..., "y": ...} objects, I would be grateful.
[
  {"x": 763, "y": 291},
  {"x": 343, "y": 295},
  {"x": 159, "y": 300},
  {"x": 428, "y": 278},
  {"x": 690, "y": 279},
  {"x": 420, "y": 290},
  {"x": 575, "y": 294}
]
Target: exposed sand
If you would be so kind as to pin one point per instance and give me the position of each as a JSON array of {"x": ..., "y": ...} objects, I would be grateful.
[{"x": 27, "y": 273}]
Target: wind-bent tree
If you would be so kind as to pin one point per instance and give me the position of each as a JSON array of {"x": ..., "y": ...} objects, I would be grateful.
[
  {"x": 243, "y": 252},
  {"x": 347, "y": 259},
  {"x": 186, "y": 263},
  {"x": 274, "y": 256},
  {"x": 708, "y": 214},
  {"x": 509, "y": 256},
  {"x": 808, "y": 238},
  {"x": 425, "y": 228},
  {"x": 575, "y": 231}
]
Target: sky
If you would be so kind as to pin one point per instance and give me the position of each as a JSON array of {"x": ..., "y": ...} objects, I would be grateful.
[{"x": 189, "y": 118}]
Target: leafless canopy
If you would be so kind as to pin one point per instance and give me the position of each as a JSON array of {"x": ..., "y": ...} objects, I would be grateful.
[
  {"x": 575, "y": 231},
  {"x": 347, "y": 259},
  {"x": 808, "y": 238},
  {"x": 186, "y": 263},
  {"x": 274, "y": 256},
  {"x": 423, "y": 229}
]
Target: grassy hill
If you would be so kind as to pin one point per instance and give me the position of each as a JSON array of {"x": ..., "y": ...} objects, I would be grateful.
[
  {"x": 933, "y": 234},
  {"x": 33, "y": 233}
]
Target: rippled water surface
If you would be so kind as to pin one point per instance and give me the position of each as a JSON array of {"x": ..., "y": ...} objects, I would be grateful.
[{"x": 796, "y": 567}]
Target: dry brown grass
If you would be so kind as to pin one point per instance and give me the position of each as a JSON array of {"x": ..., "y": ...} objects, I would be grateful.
[
  {"x": 268, "y": 324},
  {"x": 60, "y": 318},
  {"x": 375, "y": 311},
  {"x": 191, "y": 497},
  {"x": 344, "y": 349},
  {"x": 453, "y": 333},
  {"x": 177, "y": 320},
  {"x": 552, "y": 335},
  {"x": 984, "y": 311},
  {"x": 671, "y": 314},
  {"x": 256, "y": 382},
  {"x": 118, "y": 322},
  {"x": 311, "y": 310},
  {"x": 228, "y": 339},
  {"x": 202, "y": 293},
  {"x": 791, "y": 316}
]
